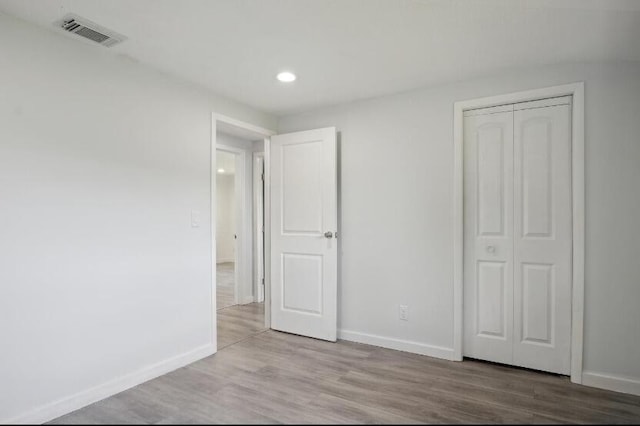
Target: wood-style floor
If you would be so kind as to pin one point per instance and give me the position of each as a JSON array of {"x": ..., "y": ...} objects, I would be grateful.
[
  {"x": 272, "y": 377},
  {"x": 239, "y": 322},
  {"x": 235, "y": 322}
]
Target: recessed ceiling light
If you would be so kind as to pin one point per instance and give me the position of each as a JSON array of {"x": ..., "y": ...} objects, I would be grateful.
[
  {"x": 286, "y": 77},
  {"x": 220, "y": 170}
]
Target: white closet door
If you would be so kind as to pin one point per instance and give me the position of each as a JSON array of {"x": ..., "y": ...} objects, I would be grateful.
[
  {"x": 542, "y": 238},
  {"x": 488, "y": 235}
]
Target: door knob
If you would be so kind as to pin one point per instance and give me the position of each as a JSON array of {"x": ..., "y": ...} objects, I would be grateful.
[
  {"x": 328, "y": 234},
  {"x": 491, "y": 249}
]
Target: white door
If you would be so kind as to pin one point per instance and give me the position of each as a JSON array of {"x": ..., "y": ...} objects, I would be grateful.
[
  {"x": 488, "y": 230},
  {"x": 542, "y": 210},
  {"x": 517, "y": 276},
  {"x": 303, "y": 230}
]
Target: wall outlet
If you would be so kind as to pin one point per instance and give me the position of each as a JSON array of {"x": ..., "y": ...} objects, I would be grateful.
[
  {"x": 195, "y": 218},
  {"x": 404, "y": 312}
]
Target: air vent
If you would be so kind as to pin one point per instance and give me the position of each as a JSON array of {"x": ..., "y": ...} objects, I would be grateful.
[{"x": 84, "y": 28}]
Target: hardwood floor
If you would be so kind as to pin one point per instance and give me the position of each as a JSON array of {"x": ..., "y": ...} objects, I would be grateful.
[
  {"x": 224, "y": 297},
  {"x": 272, "y": 377},
  {"x": 238, "y": 322}
]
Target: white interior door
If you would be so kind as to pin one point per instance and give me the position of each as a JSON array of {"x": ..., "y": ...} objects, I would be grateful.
[
  {"x": 517, "y": 236},
  {"x": 488, "y": 231},
  {"x": 542, "y": 279},
  {"x": 303, "y": 229}
]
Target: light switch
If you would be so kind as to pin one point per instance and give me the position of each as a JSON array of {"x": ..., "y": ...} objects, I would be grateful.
[{"x": 195, "y": 218}]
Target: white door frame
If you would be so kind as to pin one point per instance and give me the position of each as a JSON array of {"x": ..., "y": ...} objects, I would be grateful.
[
  {"x": 578, "y": 209},
  {"x": 266, "y": 134},
  {"x": 258, "y": 230}
]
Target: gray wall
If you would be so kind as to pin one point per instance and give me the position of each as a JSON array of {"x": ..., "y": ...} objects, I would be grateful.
[{"x": 101, "y": 162}]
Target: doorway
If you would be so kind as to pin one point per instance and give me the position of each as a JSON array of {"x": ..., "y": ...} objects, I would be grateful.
[
  {"x": 240, "y": 306},
  {"x": 290, "y": 194}
]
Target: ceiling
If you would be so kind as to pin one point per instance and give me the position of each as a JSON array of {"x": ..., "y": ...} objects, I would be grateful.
[{"x": 344, "y": 50}]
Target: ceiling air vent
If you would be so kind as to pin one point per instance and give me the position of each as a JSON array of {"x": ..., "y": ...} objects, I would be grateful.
[{"x": 89, "y": 30}]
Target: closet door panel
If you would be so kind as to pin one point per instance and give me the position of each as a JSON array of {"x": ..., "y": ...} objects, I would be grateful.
[
  {"x": 488, "y": 236},
  {"x": 542, "y": 238}
]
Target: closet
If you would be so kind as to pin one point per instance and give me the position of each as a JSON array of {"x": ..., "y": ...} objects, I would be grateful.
[{"x": 517, "y": 234}]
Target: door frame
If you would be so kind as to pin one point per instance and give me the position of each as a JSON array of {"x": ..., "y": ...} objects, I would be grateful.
[
  {"x": 223, "y": 121},
  {"x": 576, "y": 90},
  {"x": 258, "y": 198}
]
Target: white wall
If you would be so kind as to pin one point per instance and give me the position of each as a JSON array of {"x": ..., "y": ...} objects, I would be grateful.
[
  {"x": 225, "y": 218},
  {"x": 102, "y": 277},
  {"x": 396, "y": 211},
  {"x": 258, "y": 146}
]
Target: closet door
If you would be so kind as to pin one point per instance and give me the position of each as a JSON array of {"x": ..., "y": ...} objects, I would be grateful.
[
  {"x": 488, "y": 234},
  {"x": 542, "y": 238}
]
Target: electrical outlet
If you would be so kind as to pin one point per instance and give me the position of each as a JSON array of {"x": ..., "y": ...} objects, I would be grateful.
[
  {"x": 404, "y": 312},
  {"x": 195, "y": 218}
]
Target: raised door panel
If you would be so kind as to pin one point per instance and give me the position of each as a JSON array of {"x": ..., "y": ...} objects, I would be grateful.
[
  {"x": 301, "y": 183},
  {"x": 491, "y": 209},
  {"x": 491, "y": 301},
  {"x": 536, "y": 180},
  {"x": 302, "y": 283},
  {"x": 538, "y": 290}
]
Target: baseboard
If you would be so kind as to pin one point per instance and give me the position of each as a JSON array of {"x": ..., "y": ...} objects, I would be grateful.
[
  {"x": 397, "y": 344},
  {"x": 611, "y": 382},
  {"x": 74, "y": 402},
  {"x": 246, "y": 300},
  {"x": 225, "y": 260}
]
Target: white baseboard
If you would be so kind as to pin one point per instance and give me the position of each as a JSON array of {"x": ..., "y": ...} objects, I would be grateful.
[
  {"x": 246, "y": 299},
  {"x": 225, "y": 260},
  {"x": 397, "y": 344},
  {"x": 81, "y": 399},
  {"x": 611, "y": 382}
]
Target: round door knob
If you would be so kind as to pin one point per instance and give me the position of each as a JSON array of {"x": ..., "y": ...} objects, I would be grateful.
[
  {"x": 491, "y": 249},
  {"x": 328, "y": 234}
]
